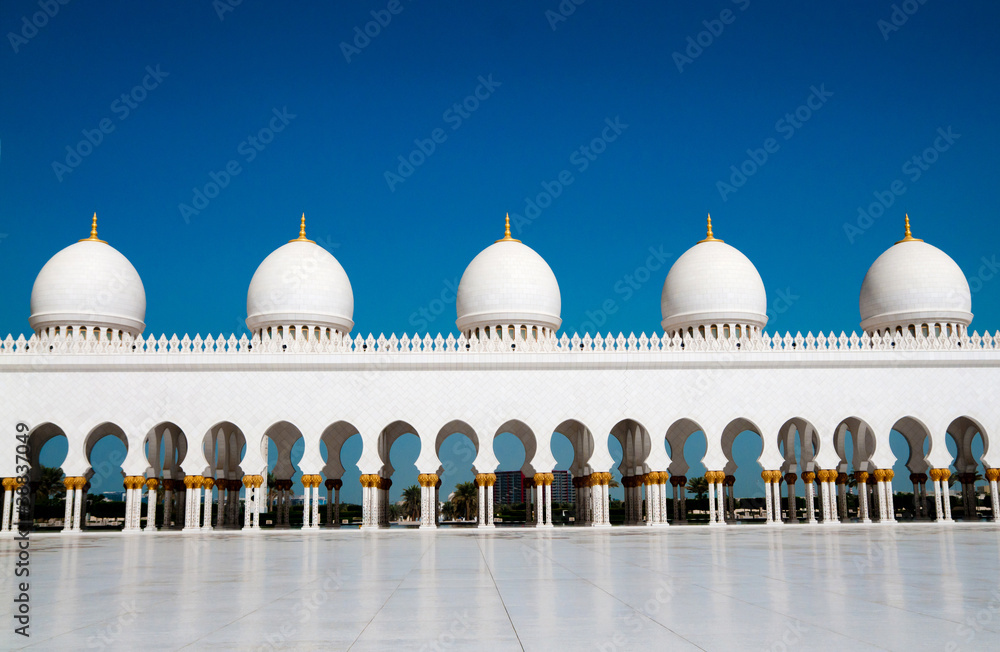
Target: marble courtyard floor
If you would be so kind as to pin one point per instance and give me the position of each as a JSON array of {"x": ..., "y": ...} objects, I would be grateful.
[{"x": 850, "y": 587}]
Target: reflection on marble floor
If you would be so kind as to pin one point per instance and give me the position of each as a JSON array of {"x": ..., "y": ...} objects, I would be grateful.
[{"x": 901, "y": 587}]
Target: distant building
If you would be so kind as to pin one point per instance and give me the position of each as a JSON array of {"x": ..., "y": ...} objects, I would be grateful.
[
  {"x": 562, "y": 487},
  {"x": 510, "y": 488}
]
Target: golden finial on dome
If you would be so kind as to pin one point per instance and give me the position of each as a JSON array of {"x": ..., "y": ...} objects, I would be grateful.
[
  {"x": 709, "y": 237},
  {"x": 907, "y": 236},
  {"x": 506, "y": 232},
  {"x": 302, "y": 232},
  {"x": 93, "y": 232}
]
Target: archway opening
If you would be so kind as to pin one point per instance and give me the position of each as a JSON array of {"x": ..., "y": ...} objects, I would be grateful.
[
  {"x": 49, "y": 448},
  {"x": 106, "y": 448},
  {"x": 283, "y": 496}
]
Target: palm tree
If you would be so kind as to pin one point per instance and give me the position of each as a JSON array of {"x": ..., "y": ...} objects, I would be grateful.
[
  {"x": 466, "y": 498},
  {"x": 50, "y": 485},
  {"x": 411, "y": 502},
  {"x": 698, "y": 486}
]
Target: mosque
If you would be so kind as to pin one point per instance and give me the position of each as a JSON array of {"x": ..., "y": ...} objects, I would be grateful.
[{"x": 195, "y": 415}]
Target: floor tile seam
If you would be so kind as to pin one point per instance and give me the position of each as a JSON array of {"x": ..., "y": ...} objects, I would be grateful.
[
  {"x": 794, "y": 618},
  {"x": 253, "y": 611},
  {"x": 426, "y": 547},
  {"x": 614, "y": 597},
  {"x": 496, "y": 588},
  {"x": 872, "y": 602}
]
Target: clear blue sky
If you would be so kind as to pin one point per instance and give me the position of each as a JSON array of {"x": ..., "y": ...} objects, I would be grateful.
[{"x": 878, "y": 98}]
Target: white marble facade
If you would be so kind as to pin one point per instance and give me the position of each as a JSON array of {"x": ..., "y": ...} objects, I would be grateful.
[{"x": 303, "y": 374}]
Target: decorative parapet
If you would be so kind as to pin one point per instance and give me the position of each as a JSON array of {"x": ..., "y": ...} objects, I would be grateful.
[{"x": 222, "y": 345}]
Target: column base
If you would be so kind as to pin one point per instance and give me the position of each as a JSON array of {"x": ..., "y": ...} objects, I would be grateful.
[
  {"x": 717, "y": 523},
  {"x": 426, "y": 526},
  {"x": 598, "y": 525},
  {"x": 543, "y": 525},
  {"x": 486, "y": 527}
]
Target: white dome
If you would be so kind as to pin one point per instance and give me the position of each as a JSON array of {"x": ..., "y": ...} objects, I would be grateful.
[
  {"x": 88, "y": 284},
  {"x": 508, "y": 284},
  {"x": 914, "y": 283},
  {"x": 713, "y": 283},
  {"x": 300, "y": 284}
]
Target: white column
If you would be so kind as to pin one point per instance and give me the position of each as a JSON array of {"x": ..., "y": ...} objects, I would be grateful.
[
  {"x": 776, "y": 501},
  {"x": 539, "y": 501},
  {"x": 489, "y": 502},
  {"x": 879, "y": 496},
  {"x": 150, "y": 505},
  {"x": 767, "y": 496},
  {"x": 336, "y": 501},
  {"x": 329, "y": 505},
  {"x": 824, "y": 497},
  {"x": 8, "y": 507},
  {"x": 842, "y": 498},
  {"x": 711, "y": 499},
  {"x": 70, "y": 501},
  {"x": 196, "y": 504},
  {"x": 991, "y": 474},
  {"x": 481, "y": 502},
  {"x": 548, "y": 500},
  {"x": 207, "y": 524},
  {"x": 834, "y": 518},
  {"x": 129, "y": 504},
  {"x": 862, "y": 485},
  {"x": 78, "y": 509},
  {"x": 808, "y": 479},
  {"x": 247, "y": 518},
  {"x": 946, "y": 493},
  {"x": 306, "y": 504},
  {"x": 792, "y": 502},
  {"x": 890, "y": 507},
  {"x": 661, "y": 490},
  {"x": 315, "y": 502},
  {"x": 721, "y": 502},
  {"x": 652, "y": 513}
]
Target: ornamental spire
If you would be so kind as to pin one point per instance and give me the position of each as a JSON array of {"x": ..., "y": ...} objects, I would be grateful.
[
  {"x": 907, "y": 236},
  {"x": 93, "y": 232},
  {"x": 709, "y": 237},
  {"x": 302, "y": 231},
  {"x": 506, "y": 232}
]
